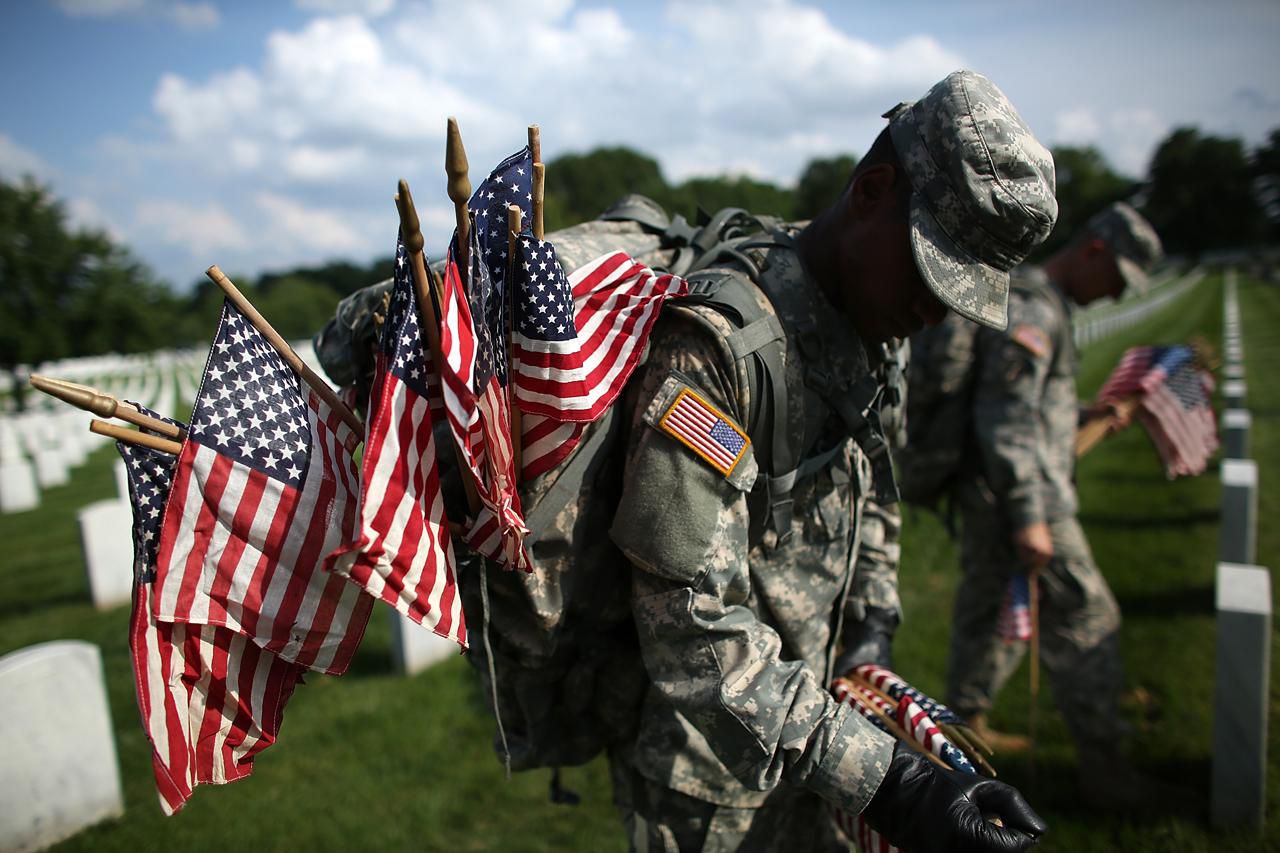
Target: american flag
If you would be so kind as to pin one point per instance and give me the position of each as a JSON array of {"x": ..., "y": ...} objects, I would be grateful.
[
  {"x": 473, "y": 337},
  {"x": 564, "y": 383},
  {"x": 402, "y": 553},
  {"x": 264, "y": 489},
  {"x": 910, "y": 714},
  {"x": 1014, "y": 622},
  {"x": 209, "y": 698},
  {"x": 1174, "y": 404}
]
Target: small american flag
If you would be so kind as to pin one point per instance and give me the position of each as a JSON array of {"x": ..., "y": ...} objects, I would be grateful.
[
  {"x": 704, "y": 430},
  {"x": 1014, "y": 622},
  {"x": 210, "y": 700},
  {"x": 264, "y": 488},
  {"x": 563, "y": 384},
  {"x": 1174, "y": 404},
  {"x": 473, "y": 337},
  {"x": 402, "y": 553}
]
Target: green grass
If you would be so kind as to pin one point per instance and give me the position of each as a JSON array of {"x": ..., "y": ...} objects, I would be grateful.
[{"x": 375, "y": 761}]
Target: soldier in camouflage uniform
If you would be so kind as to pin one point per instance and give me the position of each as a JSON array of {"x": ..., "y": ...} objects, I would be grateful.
[
  {"x": 740, "y": 745},
  {"x": 1018, "y": 502},
  {"x": 735, "y": 633}
]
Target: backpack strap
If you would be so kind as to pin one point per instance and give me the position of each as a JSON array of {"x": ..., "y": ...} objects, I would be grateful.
[{"x": 584, "y": 465}]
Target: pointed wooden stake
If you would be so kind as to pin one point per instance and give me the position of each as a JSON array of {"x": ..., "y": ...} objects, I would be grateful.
[
  {"x": 455, "y": 169},
  {"x": 102, "y": 405},
  {"x": 131, "y": 436}
]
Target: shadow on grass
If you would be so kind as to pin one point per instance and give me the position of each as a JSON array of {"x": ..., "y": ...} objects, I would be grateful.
[
  {"x": 1146, "y": 522},
  {"x": 16, "y": 607},
  {"x": 1163, "y": 604}
]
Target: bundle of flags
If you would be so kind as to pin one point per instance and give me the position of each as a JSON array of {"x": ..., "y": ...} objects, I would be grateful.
[
  {"x": 230, "y": 606},
  {"x": 1173, "y": 394},
  {"x": 259, "y": 549},
  {"x": 901, "y": 710}
]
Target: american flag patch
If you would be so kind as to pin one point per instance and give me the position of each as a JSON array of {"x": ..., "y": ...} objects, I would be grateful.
[{"x": 702, "y": 428}]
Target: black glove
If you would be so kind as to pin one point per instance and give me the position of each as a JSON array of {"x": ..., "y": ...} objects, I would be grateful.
[
  {"x": 869, "y": 641},
  {"x": 922, "y": 808}
]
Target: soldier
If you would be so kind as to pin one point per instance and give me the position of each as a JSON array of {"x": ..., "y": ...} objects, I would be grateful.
[
  {"x": 740, "y": 610},
  {"x": 739, "y": 744},
  {"x": 1018, "y": 502}
]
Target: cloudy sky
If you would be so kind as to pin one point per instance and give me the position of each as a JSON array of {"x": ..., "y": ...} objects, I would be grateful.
[{"x": 263, "y": 135}]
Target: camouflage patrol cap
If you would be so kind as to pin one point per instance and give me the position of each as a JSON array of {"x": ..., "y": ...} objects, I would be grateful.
[
  {"x": 982, "y": 192},
  {"x": 1132, "y": 240}
]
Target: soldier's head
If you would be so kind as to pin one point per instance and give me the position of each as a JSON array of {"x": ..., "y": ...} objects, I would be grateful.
[
  {"x": 1111, "y": 254},
  {"x": 954, "y": 193}
]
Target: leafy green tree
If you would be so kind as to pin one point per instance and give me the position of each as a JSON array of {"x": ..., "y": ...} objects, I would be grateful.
[
  {"x": 821, "y": 183},
  {"x": 1266, "y": 180},
  {"x": 1200, "y": 193},
  {"x": 67, "y": 293},
  {"x": 1086, "y": 184},
  {"x": 580, "y": 186},
  {"x": 712, "y": 193}
]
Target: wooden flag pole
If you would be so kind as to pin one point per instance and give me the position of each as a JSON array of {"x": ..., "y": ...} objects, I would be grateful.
[
  {"x": 103, "y": 405},
  {"x": 517, "y": 421},
  {"x": 459, "y": 186},
  {"x": 901, "y": 733},
  {"x": 131, "y": 436},
  {"x": 411, "y": 231},
  {"x": 1088, "y": 436},
  {"x": 286, "y": 352},
  {"x": 1034, "y": 595},
  {"x": 539, "y": 181}
]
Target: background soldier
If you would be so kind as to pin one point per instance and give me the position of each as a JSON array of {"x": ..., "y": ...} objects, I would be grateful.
[{"x": 1018, "y": 503}]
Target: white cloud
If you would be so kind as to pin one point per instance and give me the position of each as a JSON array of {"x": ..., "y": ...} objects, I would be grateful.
[
  {"x": 85, "y": 213},
  {"x": 294, "y": 225},
  {"x": 186, "y": 15},
  {"x": 365, "y": 8},
  {"x": 1127, "y": 135},
  {"x": 16, "y": 162},
  {"x": 201, "y": 229}
]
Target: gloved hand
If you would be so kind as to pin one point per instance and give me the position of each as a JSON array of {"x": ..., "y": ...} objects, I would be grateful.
[
  {"x": 869, "y": 641},
  {"x": 922, "y": 808}
]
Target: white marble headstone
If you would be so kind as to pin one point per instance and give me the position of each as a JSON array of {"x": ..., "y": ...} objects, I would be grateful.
[
  {"x": 414, "y": 648},
  {"x": 58, "y": 768},
  {"x": 106, "y": 540}
]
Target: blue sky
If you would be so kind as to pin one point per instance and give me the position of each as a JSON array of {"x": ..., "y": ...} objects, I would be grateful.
[{"x": 263, "y": 135}]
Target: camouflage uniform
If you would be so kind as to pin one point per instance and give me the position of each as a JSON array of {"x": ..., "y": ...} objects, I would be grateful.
[
  {"x": 1025, "y": 416},
  {"x": 739, "y": 739}
]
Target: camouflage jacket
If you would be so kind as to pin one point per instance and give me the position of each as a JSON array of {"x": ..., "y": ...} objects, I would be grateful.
[
  {"x": 738, "y": 641},
  {"x": 1025, "y": 409}
]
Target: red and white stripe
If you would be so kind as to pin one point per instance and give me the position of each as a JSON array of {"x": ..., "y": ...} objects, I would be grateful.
[
  {"x": 692, "y": 420},
  {"x": 243, "y": 550},
  {"x": 210, "y": 700},
  {"x": 616, "y": 302},
  {"x": 403, "y": 554}
]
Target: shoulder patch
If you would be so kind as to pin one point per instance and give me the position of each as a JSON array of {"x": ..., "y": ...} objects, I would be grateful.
[
  {"x": 705, "y": 430},
  {"x": 1032, "y": 338}
]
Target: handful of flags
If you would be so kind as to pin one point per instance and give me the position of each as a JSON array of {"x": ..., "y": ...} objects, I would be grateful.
[
  {"x": 258, "y": 547},
  {"x": 1172, "y": 392},
  {"x": 925, "y": 724}
]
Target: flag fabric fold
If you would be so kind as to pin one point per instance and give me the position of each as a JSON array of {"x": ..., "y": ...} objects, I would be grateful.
[
  {"x": 210, "y": 699},
  {"x": 1175, "y": 404},
  {"x": 264, "y": 488},
  {"x": 402, "y": 553}
]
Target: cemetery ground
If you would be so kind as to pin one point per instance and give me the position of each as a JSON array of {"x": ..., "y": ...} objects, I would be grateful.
[{"x": 377, "y": 761}]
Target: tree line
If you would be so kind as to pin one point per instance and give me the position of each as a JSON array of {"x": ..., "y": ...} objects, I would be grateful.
[{"x": 67, "y": 292}]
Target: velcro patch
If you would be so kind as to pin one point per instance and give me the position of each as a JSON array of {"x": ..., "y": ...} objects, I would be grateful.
[
  {"x": 1032, "y": 338},
  {"x": 705, "y": 430}
]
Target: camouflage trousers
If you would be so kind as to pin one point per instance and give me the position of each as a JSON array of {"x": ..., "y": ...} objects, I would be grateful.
[
  {"x": 1079, "y": 629},
  {"x": 660, "y": 820}
]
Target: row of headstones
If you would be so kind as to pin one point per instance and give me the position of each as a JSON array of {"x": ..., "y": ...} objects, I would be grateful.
[
  {"x": 1243, "y": 604},
  {"x": 39, "y": 447},
  {"x": 1094, "y": 324}
]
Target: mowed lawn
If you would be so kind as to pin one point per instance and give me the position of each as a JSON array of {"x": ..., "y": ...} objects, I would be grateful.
[{"x": 375, "y": 761}]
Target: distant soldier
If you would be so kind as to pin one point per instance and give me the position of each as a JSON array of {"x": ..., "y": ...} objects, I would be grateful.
[{"x": 1017, "y": 501}]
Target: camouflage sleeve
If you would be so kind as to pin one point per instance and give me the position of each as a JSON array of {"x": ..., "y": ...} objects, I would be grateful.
[
  {"x": 875, "y": 579},
  {"x": 1013, "y": 367},
  {"x": 683, "y": 524}
]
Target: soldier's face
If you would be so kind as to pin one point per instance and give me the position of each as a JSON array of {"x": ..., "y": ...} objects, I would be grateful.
[
  {"x": 884, "y": 291},
  {"x": 1099, "y": 275}
]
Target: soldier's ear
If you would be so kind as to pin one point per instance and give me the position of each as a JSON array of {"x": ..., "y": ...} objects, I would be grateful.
[{"x": 872, "y": 189}]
